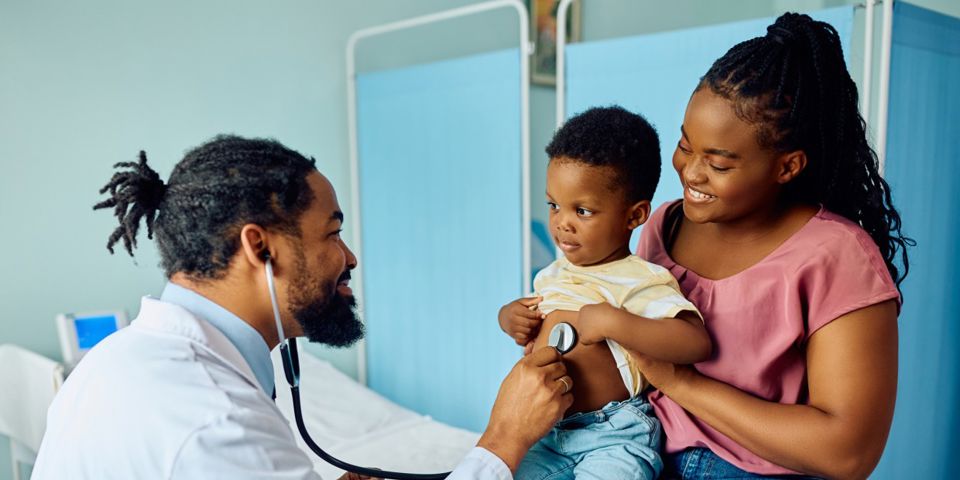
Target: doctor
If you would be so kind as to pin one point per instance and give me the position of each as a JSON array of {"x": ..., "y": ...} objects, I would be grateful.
[{"x": 185, "y": 391}]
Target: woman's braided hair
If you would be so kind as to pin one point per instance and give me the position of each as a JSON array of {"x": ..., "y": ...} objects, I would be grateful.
[
  {"x": 793, "y": 85},
  {"x": 216, "y": 189}
]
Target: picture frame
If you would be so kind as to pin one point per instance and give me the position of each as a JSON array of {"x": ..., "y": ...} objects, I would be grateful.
[{"x": 543, "y": 23}]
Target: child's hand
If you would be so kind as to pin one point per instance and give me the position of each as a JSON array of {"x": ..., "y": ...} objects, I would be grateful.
[
  {"x": 521, "y": 320},
  {"x": 592, "y": 321}
]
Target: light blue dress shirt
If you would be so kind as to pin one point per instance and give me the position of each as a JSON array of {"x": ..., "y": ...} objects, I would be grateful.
[{"x": 247, "y": 340}]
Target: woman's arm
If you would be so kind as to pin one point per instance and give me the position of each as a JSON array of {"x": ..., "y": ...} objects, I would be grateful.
[
  {"x": 682, "y": 339},
  {"x": 841, "y": 433}
]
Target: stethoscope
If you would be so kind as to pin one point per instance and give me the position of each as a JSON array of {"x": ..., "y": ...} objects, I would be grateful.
[{"x": 563, "y": 337}]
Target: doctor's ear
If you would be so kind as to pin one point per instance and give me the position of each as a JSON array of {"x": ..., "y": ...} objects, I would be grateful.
[{"x": 254, "y": 245}]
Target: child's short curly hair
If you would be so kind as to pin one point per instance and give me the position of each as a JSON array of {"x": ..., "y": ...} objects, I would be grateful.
[{"x": 613, "y": 137}]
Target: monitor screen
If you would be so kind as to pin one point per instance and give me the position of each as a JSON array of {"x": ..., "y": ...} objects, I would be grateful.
[{"x": 90, "y": 330}]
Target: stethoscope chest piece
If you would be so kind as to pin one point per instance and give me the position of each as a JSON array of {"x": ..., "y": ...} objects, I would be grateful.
[{"x": 563, "y": 337}]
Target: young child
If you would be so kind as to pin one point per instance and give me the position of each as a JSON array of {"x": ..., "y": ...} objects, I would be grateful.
[{"x": 604, "y": 167}]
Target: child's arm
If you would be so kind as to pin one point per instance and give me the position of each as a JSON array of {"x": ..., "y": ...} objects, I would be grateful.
[{"x": 682, "y": 339}]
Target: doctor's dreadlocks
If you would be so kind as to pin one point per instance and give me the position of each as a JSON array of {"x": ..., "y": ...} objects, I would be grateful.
[
  {"x": 793, "y": 85},
  {"x": 216, "y": 189}
]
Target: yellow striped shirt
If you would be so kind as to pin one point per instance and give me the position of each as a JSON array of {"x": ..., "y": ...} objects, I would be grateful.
[{"x": 632, "y": 283}]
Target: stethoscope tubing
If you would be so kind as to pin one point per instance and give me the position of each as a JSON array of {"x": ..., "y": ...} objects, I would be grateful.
[
  {"x": 336, "y": 462},
  {"x": 291, "y": 374},
  {"x": 291, "y": 370}
]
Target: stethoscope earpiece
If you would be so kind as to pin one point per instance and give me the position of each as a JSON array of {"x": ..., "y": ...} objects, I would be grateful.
[{"x": 268, "y": 270}]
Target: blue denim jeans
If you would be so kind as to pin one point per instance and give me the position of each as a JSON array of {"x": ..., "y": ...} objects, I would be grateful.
[
  {"x": 702, "y": 464},
  {"x": 620, "y": 441}
]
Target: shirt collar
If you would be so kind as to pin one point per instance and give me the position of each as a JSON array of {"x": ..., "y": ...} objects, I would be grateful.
[{"x": 248, "y": 341}]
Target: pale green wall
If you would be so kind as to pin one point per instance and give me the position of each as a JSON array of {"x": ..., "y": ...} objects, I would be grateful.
[
  {"x": 86, "y": 85},
  {"x": 83, "y": 86}
]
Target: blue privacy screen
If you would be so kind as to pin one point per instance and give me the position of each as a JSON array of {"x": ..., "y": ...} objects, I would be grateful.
[
  {"x": 654, "y": 75},
  {"x": 440, "y": 187},
  {"x": 923, "y": 168}
]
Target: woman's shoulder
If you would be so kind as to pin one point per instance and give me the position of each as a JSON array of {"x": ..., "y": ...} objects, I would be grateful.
[
  {"x": 828, "y": 234},
  {"x": 841, "y": 269}
]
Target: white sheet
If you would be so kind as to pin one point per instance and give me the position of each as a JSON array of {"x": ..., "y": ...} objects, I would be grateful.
[
  {"x": 359, "y": 426},
  {"x": 29, "y": 382}
]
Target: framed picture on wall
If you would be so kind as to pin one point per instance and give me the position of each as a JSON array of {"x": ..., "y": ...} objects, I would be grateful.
[{"x": 543, "y": 28}]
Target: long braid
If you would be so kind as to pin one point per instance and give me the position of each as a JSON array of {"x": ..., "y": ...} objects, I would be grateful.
[{"x": 794, "y": 86}]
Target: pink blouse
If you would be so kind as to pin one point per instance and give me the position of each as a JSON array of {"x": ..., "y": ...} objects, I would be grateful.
[{"x": 761, "y": 318}]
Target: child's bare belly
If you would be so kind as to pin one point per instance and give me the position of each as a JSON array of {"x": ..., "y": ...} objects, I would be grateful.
[{"x": 596, "y": 379}]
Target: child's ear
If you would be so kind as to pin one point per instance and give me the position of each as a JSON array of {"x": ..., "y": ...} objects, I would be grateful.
[{"x": 637, "y": 214}]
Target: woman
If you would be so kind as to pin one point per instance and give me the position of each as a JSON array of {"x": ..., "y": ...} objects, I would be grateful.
[{"x": 786, "y": 240}]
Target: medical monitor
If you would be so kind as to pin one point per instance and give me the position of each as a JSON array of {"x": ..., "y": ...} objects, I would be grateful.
[{"x": 79, "y": 332}]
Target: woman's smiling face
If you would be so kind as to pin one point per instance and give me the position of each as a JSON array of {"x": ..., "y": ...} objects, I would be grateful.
[{"x": 725, "y": 172}]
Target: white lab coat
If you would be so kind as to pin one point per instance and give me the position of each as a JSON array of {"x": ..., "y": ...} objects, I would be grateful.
[{"x": 170, "y": 397}]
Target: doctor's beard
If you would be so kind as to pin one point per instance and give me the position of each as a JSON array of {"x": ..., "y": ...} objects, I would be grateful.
[{"x": 328, "y": 318}]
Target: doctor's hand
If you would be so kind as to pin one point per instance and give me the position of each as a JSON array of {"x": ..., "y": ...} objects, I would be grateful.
[
  {"x": 521, "y": 319},
  {"x": 356, "y": 476},
  {"x": 531, "y": 400}
]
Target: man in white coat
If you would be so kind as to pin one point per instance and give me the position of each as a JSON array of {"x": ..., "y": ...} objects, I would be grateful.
[{"x": 185, "y": 391}]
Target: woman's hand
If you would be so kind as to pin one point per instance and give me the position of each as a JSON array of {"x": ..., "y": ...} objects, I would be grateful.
[{"x": 664, "y": 376}]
